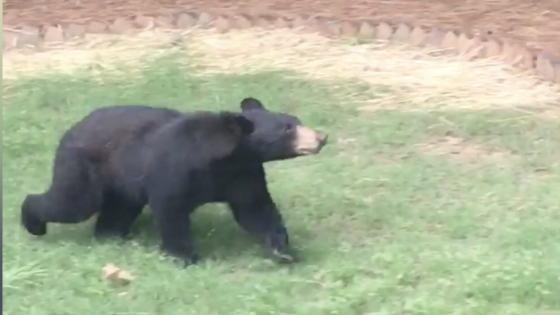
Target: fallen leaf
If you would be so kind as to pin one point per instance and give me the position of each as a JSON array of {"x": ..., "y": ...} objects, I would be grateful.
[{"x": 116, "y": 274}]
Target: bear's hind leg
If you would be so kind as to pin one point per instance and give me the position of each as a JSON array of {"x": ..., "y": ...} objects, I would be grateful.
[
  {"x": 116, "y": 217},
  {"x": 172, "y": 218},
  {"x": 75, "y": 195},
  {"x": 29, "y": 220}
]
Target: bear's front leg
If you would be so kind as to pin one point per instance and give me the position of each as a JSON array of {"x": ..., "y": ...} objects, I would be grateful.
[
  {"x": 172, "y": 218},
  {"x": 263, "y": 220}
]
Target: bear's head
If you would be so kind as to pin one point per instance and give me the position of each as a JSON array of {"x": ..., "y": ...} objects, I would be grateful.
[
  {"x": 279, "y": 136},
  {"x": 212, "y": 135}
]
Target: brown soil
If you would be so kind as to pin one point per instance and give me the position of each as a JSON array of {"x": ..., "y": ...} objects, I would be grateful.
[
  {"x": 535, "y": 22},
  {"x": 460, "y": 150}
]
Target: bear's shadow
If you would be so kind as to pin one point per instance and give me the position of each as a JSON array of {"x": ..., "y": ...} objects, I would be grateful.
[{"x": 217, "y": 235}]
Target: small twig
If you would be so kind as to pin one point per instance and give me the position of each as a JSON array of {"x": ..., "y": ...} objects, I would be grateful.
[
  {"x": 16, "y": 30},
  {"x": 445, "y": 120}
]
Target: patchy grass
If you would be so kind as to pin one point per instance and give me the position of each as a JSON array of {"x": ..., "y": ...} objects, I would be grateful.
[
  {"x": 384, "y": 225},
  {"x": 412, "y": 78}
]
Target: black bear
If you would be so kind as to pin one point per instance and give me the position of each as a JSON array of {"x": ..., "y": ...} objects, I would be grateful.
[{"x": 119, "y": 159}]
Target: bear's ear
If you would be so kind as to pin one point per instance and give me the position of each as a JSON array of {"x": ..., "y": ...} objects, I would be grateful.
[
  {"x": 238, "y": 124},
  {"x": 250, "y": 103}
]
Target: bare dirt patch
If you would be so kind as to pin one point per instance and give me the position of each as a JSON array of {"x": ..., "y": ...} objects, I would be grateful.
[
  {"x": 460, "y": 150},
  {"x": 413, "y": 78},
  {"x": 550, "y": 113}
]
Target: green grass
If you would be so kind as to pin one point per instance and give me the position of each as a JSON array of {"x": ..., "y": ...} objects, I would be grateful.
[{"x": 382, "y": 227}]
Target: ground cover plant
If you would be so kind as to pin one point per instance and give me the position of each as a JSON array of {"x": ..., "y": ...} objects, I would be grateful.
[{"x": 405, "y": 212}]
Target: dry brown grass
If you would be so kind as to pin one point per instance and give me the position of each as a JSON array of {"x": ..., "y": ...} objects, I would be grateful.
[{"x": 416, "y": 78}]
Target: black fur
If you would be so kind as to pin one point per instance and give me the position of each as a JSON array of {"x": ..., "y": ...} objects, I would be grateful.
[{"x": 119, "y": 159}]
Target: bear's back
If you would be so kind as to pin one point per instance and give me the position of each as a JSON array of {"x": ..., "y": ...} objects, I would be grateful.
[{"x": 109, "y": 129}]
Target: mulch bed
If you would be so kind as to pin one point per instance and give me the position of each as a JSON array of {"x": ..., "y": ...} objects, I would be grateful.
[{"x": 536, "y": 22}]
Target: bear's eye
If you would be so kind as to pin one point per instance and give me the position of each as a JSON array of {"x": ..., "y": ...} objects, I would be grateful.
[{"x": 288, "y": 128}]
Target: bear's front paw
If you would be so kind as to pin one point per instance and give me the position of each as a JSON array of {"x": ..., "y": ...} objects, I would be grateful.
[
  {"x": 279, "y": 247},
  {"x": 283, "y": 257}
]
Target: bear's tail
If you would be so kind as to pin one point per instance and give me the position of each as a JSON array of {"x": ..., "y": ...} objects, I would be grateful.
[{"x": 32, "y": 205}]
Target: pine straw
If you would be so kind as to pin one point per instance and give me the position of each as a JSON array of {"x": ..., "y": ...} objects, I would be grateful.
[{"x": 416, "y": 78}]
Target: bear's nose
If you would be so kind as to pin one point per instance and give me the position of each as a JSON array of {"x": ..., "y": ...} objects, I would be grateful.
[{"x": 322, "y": 137}]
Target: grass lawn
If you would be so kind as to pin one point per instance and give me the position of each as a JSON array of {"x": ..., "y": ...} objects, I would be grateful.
[{"x": 404, "y": 212}]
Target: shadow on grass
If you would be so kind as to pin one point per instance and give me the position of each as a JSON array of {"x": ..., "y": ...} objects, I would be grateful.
[{"x": 216, "y": 234}]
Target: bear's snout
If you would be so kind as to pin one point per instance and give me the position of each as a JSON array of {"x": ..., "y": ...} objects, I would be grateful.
[
  {"x": 308, "y": 141},
  {"x": 322, "y": 138}
]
